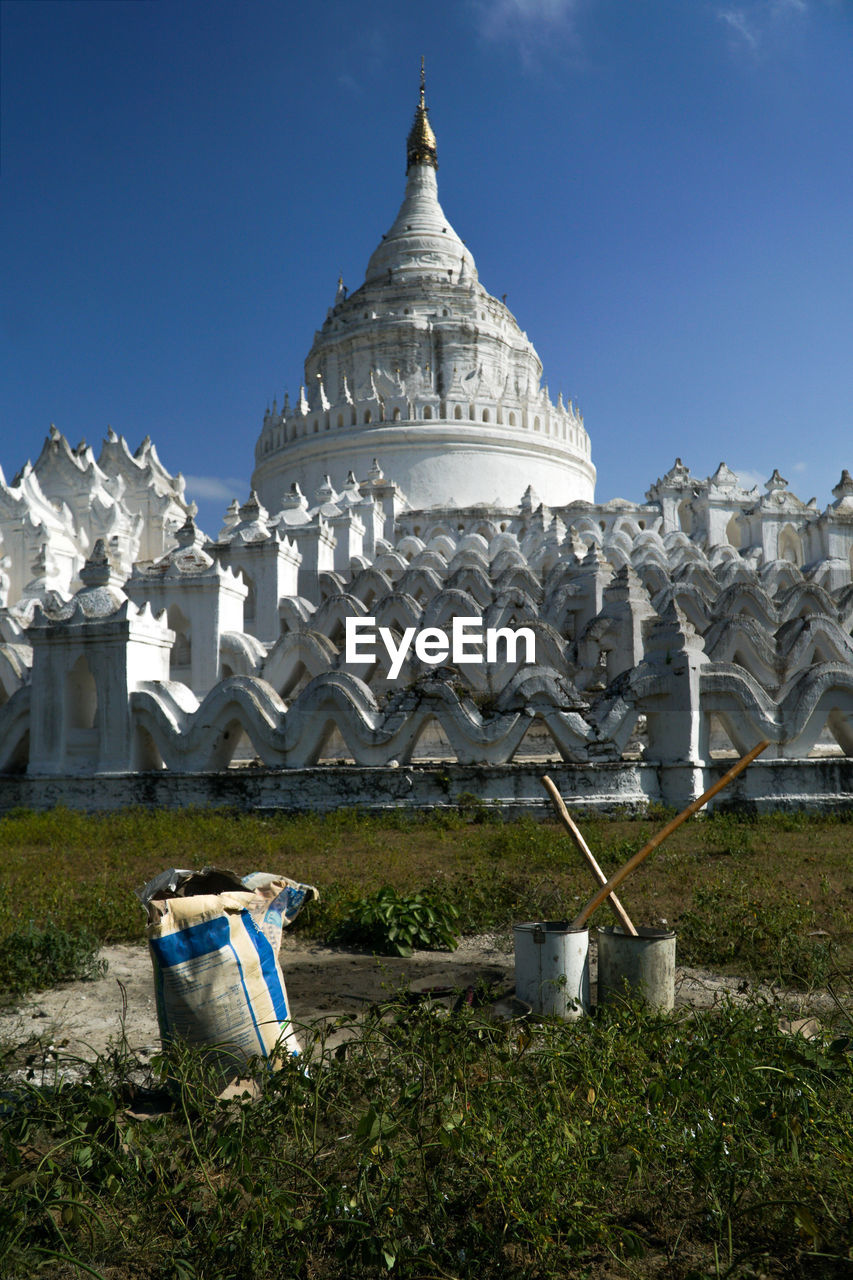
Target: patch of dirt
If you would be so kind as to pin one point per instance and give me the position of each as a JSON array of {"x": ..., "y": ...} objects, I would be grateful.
[{"x": 82, "y": 1019}]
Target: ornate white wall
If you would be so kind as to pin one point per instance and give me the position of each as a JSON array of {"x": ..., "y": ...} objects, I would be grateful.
[{"x": 653, "y": 648}]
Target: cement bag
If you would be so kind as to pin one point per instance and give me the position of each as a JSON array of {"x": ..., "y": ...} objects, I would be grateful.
[{"x": 214, "y": 941}]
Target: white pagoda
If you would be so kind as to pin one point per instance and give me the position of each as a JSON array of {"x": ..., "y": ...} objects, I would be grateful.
[{"x": 423, "y": 370}]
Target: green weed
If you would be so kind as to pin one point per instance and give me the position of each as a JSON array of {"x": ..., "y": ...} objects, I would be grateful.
[
  {"x": 629, "y": 1145},
  {"x": 39, "y": 956},
  {"x": 392, "y": 923},
  {"x": 731, "y": 927}
]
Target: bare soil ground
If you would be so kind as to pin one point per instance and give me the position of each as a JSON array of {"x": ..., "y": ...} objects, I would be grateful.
[
  {"x": 323, "y": 984},
  {"x": 82, "y": 1019}
]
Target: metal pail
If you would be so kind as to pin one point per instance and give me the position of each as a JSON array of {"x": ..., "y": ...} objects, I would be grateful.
[{"x": 552, "y": 967}]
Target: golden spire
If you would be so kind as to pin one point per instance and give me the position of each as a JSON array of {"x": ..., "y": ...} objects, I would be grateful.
[{"x": 420, "y": 144}]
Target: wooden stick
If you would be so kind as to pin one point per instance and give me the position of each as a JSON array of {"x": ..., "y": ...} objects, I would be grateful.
[
  {"x": 617, "y": 878},
  {"x": 574, "y": 831}
]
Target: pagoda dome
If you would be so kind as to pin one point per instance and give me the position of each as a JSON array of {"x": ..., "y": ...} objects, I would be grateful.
[{"x": 423, "y": 370}]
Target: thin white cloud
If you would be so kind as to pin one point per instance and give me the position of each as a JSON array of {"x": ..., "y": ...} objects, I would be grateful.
[
  {"x": 739, "y": 26},
  {"x": 499, "y": 18},
  {"x": 749, "y": 479},
  {"x": 752, "y": 22},
  {"x": 531, "y": 25},
  {"x": 216, "y": 488}
]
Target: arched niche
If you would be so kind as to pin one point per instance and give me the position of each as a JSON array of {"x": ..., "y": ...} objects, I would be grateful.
[
  {"x": 790, "y": 547},
  {"x": 734, "y": 533},
  {"x": 180, "y": 659},
  {"x": 81, "y": 696},
  {"x": 685, "y": 517}
]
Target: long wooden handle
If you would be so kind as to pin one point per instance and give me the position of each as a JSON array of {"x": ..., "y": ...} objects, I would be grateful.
[
  {"x": 573, "y": 830},
  {"x": 617, "y": 878}
]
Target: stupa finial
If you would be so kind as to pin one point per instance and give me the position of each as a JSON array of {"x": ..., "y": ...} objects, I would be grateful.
[{"x": 421, "y": 145}]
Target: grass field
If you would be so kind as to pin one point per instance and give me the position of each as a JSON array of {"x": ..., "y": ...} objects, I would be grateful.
[
  {"x": 692, "y": 1146},
  {"x": 770, "y": 896}
]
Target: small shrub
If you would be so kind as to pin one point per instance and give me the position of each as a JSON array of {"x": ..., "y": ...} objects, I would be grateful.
[
  {"x": 392, "y": 923},
  {"x": 39, "y": 956}
]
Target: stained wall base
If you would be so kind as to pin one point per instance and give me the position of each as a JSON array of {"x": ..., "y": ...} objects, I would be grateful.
[{"x": 814, "y": 785}]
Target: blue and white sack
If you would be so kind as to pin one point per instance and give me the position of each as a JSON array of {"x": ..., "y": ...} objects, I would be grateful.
[{"x": 214, "y": 940}]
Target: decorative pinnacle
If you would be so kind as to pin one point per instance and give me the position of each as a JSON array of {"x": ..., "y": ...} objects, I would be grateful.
[{"x": 421, "y": 145}]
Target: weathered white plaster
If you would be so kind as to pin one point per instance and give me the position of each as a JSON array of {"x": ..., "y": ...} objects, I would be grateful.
[
  {"x": 819, "y": 785},
  {"x": 87, "y": 659},
  {"x": 202, "y": 600}
]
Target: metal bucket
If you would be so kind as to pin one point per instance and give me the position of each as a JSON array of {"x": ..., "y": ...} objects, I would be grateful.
[
  {"x": 643, "y": 966},
  {"x": 552, "y": 967}
]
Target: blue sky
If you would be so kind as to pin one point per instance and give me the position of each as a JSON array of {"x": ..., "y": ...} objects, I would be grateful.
[{"x": 662, "y": 188}]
